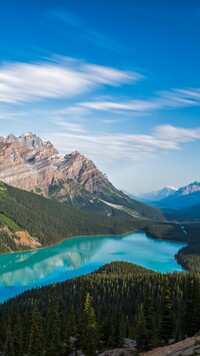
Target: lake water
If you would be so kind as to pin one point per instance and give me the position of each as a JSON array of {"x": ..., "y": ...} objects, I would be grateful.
[{"x": 79, "y": 256}]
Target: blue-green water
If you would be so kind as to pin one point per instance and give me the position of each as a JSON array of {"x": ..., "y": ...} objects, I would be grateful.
[{"x": 78, "y": 256}]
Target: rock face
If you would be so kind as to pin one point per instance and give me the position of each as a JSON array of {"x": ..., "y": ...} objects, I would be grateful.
[
  {"x": 14, "y": 241},
  {"x": 187, "y": 347},
  {"x": 29, "y": 163}
]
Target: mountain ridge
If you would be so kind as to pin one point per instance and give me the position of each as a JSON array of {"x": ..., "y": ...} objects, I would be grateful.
[
  {"x": 155, "y": 195},
  {"x": 184, "y": 197},
  {"x": 27, "y": 162}
]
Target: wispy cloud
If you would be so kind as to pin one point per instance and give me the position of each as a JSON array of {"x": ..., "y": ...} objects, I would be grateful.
[
  {"x": 120, "y": 147},
  {"x": 177, "y": 134},
  {"x": 24, "y": 82},
  {"x": 70, "y": 126},
  {"x": 175, "y": 98},
  {"x": 83, "y": 29},
  {"x": 131, "y": 105},
  {"x": 6, "y": 115}
]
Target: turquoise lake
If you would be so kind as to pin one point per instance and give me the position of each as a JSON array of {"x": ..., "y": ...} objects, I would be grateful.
[{"x": 79, "y": 256}]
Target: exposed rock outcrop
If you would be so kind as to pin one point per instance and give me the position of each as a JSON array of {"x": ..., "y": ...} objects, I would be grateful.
[{"x": 29, "y": 163}]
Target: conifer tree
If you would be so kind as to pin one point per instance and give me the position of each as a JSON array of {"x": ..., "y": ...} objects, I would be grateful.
[
  {"x": 89, "y": 337},
  {"x": 166, "y": 322},
  {"x": 72, "y": 328},
  {"x": 107, "y": 332},
  {"x": 9, "y": 345},
  {"x": 36, "y": 337},
  {"x": 18, "y": 338},
  {"x": 192, "y": 300},
  {"x": 149, "y": 320},
  {"x": 118, "y": 331},
  {"x": 53, "y": 326},
  {"x": 141, "y": 330}
]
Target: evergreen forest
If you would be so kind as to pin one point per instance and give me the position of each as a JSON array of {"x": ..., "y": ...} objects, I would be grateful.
[{"x": 97, "y": 311}]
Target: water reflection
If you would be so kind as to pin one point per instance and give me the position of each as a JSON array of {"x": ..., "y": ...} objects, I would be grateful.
[
  {"x": 78, "y": 256},
  {"x": 27, "y": 267}
]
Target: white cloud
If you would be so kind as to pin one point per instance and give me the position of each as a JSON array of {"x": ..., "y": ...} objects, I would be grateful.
[
  {"x": 69, "y": 126},
  {"x": 193, "y": 93},
  {"x": 134, "y": 105},
  {"x": 177, "y": 134},
  {"x": 163, "y": 100},
  {"x": 23, "y": 82},
  {"x": 117, "y": 147}
]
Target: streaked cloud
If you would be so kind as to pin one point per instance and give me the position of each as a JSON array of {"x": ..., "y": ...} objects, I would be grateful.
[
  {"x": 70, "y": 126},
  {"x": 177, "y": 134},
  {"x": 131, "y": 105},
  {"x": 131, "y": 147},
  {"x": 25, "y": 82},
  {"x": 175, "y": 98}
]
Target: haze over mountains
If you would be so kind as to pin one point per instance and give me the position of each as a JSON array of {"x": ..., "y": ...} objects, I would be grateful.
[
  {"x": 31, "y": 164},
  {"x": 183, "y": 197},
  {"x": 155, "y": 195},
  {"x": 184, "y": 201}
]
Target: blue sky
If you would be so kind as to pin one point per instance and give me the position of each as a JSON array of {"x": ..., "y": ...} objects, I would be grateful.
[{"x": 117, "y": 80}]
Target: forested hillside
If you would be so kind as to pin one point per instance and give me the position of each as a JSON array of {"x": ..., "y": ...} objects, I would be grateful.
[
  {"x": 45, "y": 222},
  {"x": 98, "y": 310},
  {"x": 50, "y": 221}
]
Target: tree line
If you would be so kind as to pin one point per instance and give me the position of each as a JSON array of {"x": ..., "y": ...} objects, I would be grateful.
[{"x": 97, "y": 311}]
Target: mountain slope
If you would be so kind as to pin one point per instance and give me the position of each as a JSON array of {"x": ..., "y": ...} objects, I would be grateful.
[
  {"x": 13, "y": 237},
  {"x": 31, "y": 164},
  {"x": 190, "y": 213},
  {"x": 28, "y": 220},
  {"x": 44, "y": 222}
]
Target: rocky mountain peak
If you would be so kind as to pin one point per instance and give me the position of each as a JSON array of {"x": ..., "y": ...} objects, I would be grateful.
[
  {"x": 75, "y": 155},
  {"x": 29, "y": 163},
  {"x": 30, "y": 140},
  {"x": 11, "y": 138},
  {"x": 190, "y": 188}
]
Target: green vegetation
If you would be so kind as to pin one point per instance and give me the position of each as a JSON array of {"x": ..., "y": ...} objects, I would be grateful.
[
  {"x": 5, "y": 221},
  {"x": 119, "y": 300},
  {"x": 50, "y": 222}
]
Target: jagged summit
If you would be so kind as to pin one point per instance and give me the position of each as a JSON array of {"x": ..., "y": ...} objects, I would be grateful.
[
  {"x": 11, "y": 138},
  {"x": 29, "y": 163},
  {"x": 190, "y": 188},
  {"x": 183, "y": 197},
  {"x": 76, "y": 153}
]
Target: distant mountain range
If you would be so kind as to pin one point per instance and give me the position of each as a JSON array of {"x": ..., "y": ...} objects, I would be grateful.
[
  {"x": 155, "y": 195},
  {"x": 186, "y": 199},
  {"x": 29, "y": 163}
]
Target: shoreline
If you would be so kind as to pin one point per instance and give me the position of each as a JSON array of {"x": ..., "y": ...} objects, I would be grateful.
[
  {"x": 68, "y": 238},
  {"x": 107, "y": 235}
]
